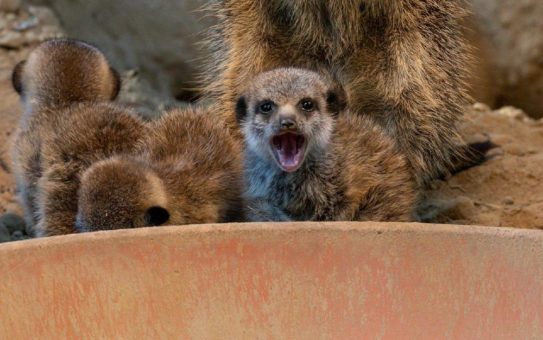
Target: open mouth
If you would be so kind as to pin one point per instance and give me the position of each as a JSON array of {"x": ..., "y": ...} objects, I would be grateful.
[{"x": 289, "y": 150}]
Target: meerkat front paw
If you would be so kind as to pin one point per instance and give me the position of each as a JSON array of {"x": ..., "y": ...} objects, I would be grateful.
[{"x": 473, "y": 154}]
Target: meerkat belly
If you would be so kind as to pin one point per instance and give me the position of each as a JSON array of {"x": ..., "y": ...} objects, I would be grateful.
[
  {"x": 308, "y": 196},
  {"x": 319, "y": 200}
]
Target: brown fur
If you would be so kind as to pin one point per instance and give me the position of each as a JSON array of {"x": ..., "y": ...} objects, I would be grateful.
[
  {"x": 67, "y": 125},
  {"x": 402, "y": 63},
  {"x": 350, "y": 170},
  {"x": 187, "y": 171}
]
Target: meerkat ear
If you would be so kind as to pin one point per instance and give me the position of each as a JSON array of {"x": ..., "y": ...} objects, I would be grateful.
[
  {"x": 116, "y": 83},
  {"x": 16, "y": 77},
  {"x": 336, "y": 101},
  {"x": 241, "y": 109}
]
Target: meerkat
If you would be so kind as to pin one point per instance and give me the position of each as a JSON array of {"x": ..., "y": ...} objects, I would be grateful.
[
  {"x": 402, "y": 63},
  {"x": 68, "y": 123},
  {"x": 188, "y": 170},
  {"x": 307, "y": 159}
]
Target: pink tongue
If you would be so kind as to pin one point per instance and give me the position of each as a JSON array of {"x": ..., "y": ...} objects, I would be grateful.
[{"x": 289, "y": 155}]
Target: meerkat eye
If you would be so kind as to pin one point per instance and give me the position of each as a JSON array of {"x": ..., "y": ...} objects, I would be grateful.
[
  {"x": 266, "y": 107},
  {"x": 307, "y": 105}
]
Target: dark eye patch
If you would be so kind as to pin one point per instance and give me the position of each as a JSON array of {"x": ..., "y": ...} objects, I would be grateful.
[{"x": 241, "y": 109}]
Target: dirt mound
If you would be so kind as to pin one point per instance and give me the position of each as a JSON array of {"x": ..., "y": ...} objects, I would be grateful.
[{"x": 505, "y": 191}]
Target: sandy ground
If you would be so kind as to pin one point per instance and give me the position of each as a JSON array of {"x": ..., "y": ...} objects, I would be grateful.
[{"x": 505, "y": 191}]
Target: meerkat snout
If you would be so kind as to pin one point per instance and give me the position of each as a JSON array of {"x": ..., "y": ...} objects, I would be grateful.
[
  {"x": 290, "y": 123},
  {"x": 121, "y": 192}
]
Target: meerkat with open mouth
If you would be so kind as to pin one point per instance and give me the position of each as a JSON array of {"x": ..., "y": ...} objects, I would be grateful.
[
  {"x": 403, "y": 63},
  {"x": 308, "y": 160}
]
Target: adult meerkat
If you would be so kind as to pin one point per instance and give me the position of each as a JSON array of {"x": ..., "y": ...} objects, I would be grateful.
[
  {"x": 402, "y": 62},
  {"x": 68, "y": 123},
  {"x": 188, "y": 170},
  {"x": 306, "y": 159}
]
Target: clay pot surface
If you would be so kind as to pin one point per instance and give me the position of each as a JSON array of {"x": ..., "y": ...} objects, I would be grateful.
[{"x": 277, "y": 281}]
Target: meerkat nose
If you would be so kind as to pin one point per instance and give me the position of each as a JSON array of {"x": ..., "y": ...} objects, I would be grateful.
[
  {"x": 288, "y": 123},
  {"x": 156, "y": 216}
]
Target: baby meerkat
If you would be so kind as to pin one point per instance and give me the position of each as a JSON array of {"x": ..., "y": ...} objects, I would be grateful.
[
  {"x": 306, "y": 159},
  {"x": 187, "y": 170},
  {"x": 68, "y": 123},
  {"x": 401, "y": 62}
]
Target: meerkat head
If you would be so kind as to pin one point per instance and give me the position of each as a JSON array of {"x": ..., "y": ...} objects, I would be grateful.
[
  {"x": 287, "y": 114},
  {"x": 121, "y": 193},
  {"x": 62, "y": 71}
]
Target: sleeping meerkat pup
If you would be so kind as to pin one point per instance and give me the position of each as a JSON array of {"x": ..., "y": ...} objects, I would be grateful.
[
  {"x": 401, "y": 62},
  {"x": 306, "y": 159},
  {"x": 187, "y": 170},
  {"x": 68, "y": 123}
]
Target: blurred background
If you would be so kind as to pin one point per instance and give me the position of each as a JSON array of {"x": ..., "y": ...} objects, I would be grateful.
[{"x": 159, "y": 41}]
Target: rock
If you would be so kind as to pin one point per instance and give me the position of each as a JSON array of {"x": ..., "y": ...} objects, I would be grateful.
[
  {"x": 27, "y": 24},
  {"x": 44, "y": 15},
  {"x": 512, "y": 112},
  {"x": 9, "y": 5},
  {"x": 481, "y": 107},
  {"x": 493, "y": 153},
  {"x": 508, "y": 201},
  {"x": 13, "y": 222},
  {"x": 463, "y": 207},
  {"x": 12, "y": 39},
  {"x": 3, "y": 23},
  {"x": 510, "y": 46}
]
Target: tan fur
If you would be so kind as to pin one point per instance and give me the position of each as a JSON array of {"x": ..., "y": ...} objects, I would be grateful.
[
  {"x": 188, "y": 168},
  {"x": 350, "y": 170},
  {"x": 66, "y": 71},
  {"x": 67, "y": 125},
  {"x": 402, "y": 63}
]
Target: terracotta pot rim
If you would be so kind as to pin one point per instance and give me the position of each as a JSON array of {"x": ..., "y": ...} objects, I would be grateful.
[{"x": 285, "y": 228}]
